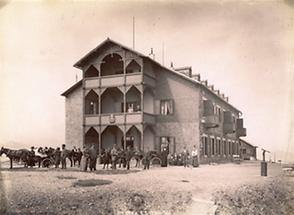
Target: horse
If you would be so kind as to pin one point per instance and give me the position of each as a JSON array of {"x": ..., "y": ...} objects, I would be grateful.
[
  {"x": 77, "y": 157},
  {"x": 17, "y": 155},
  {"x": 90, "y": 156}
]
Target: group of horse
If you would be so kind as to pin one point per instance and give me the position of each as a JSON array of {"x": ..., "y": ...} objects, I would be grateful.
[
  {"x": 43, "y": 158},
  {"x": 47, "y": 158}
]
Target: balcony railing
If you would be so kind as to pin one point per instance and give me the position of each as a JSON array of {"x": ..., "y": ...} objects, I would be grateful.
[
  {"x": 119, "y": 118},
  {"x": 229, "y": 128},
  {"x": 211, "y": 121},
  {"x": 241, "y": 132},
  {"x": 113, "y": 80}
]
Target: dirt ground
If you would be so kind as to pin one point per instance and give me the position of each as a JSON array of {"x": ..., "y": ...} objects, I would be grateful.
[{"x": 171, "y": 190}]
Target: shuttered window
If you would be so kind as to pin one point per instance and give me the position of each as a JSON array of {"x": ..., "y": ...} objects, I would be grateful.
[{"x": 166, "y": 107}]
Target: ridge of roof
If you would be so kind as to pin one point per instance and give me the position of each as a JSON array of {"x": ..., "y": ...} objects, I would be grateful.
[
  {"x": 247, "y": 142},
  {"x": 72, "y": 88},
  {"x": 78, "y": 65}
]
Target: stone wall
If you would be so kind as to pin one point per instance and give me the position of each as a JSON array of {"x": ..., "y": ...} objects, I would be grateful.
[{"x": 74, "y": 119}]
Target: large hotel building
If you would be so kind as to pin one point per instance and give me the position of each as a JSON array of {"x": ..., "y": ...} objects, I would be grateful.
[{"x": 128, "y": 99}]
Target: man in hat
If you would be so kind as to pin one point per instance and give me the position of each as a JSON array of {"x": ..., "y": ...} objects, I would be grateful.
[
  {"x": 114, "y": 154},
  {"x": 63, "y": 156}
]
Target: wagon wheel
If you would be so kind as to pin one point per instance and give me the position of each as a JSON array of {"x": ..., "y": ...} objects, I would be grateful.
[
  {"x": 155, "y": 162},
  {"x": 47, "y": 162},
  {"x": 133, "y": 162}
]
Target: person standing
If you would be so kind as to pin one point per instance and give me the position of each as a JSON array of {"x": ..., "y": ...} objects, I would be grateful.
[
  {"x": 194, "y": 154},
  {"x": 164, "y": 154},
  {"x": 113, "y": 154},
  {"x": 186, "y": 157},
  {"x": 146, "y": 159},
  {"x": 57, "y": 157},
  {"x": 129, "y": 154},
  {"x": 63, "y": 156}
]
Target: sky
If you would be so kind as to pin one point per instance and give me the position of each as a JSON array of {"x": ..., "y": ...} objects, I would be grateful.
[{"x": 244, "y": 48}]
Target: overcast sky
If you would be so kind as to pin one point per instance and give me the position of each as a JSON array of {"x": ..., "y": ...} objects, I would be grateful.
[{"x": 244, "y": 48}]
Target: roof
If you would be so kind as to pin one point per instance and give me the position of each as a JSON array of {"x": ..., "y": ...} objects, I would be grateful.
[
  {"x": 79, "y": 64},
  {"x": 247, "y": 143},
  {"x": 72, "y": 88}
]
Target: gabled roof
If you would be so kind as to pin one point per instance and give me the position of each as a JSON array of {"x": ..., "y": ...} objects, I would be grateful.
[
  {"x": 247, "y": 143},
  {"x": 93, "y": 52},
  {"x": 72, "y": 88},
  {"x": 88, "y": 56}
]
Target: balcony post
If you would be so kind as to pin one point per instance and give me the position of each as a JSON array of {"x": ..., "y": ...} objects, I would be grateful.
[
  {"x": 125, "y": 134},
  {"x": 99, "y": 141},
  {"x": 142, "y": 139}
]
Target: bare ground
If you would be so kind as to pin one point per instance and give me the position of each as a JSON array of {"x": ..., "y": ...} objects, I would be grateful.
[{"x": 172, "y": 190}]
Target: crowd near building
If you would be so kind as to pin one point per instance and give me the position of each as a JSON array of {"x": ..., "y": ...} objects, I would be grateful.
[{"x": 129, "y": 99}]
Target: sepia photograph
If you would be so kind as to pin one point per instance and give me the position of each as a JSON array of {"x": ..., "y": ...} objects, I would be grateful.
[{"x": 151, "y": 107}]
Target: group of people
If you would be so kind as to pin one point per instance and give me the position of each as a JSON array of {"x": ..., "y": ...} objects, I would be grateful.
[
  {"x": 57, "y": 156},
  {"x": 185, "y": 158},
  {"x": 87, "y": 158}
]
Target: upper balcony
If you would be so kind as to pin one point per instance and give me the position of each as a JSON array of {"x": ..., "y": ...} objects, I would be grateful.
[
  {"x": 112, "y": 72},
  {"x": 119, "y": 118},
  {"x": 229, "y": 125},
  {"x": 209, "y": 119},
  {"x": 240, "y": 130}
]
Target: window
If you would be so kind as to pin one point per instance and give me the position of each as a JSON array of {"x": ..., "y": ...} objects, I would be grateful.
[
  {"x": 225, "y": 147},
  {"x": 205, "y": 145},
  {"x": 212, "y": 146},
  {"x": 230, "y": 148},
  {"x": 169, "y": 143},
  {"x": 166, "y": 107},
  {"x": 218, "y": 146}
]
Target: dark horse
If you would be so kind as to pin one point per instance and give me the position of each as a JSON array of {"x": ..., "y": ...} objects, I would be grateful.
[{"x": 17, "y": 155}]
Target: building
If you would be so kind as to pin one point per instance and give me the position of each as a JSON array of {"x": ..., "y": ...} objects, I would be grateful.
[
  {"x": 129, "y": 99},
  {"x": 247, "y": 151}
]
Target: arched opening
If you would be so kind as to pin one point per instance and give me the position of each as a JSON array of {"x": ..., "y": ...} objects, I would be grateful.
[
  {"x": 112, "y": 101},
  {"x": 133, "y": 100},
  {"x": 91, "y": 103},
  {"x": 91, "y": 72},
  {"x": 148, "y": 101},
  {"x": 92, "y": 138},
  {"x": 110, "y": 136},
  {"x": 133, "y": 67},
  {"x": 133, "y": 138},
  {"x": 112, "y": 65}
]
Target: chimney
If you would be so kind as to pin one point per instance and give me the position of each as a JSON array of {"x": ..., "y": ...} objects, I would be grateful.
[
  {"x": 227, "y": 99},
  {"x": 151, "y": 54},
  {"x": 211, "y": 87},
  {"x": 196, "y": 77},
  {"x": 222, "y": 95},
  {"x": 204, "y": 83},
  {"x": 171, "y": 65},
  {"x": 187, "y": 70},
  {"x": 217, "y": 92}
]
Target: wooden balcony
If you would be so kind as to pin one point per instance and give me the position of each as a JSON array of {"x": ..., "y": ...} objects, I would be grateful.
[
  {"x": 228, "y": 128},
  {"x": 241, "y": 132},
  {"x": 119, "y": 118},
  {"x": 211, "y": 121},
  {"x": 113, "y": 80}
]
